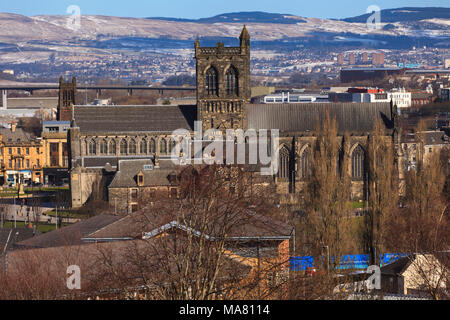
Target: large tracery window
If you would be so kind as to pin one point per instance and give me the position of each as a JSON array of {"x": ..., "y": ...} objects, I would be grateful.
[
  {"x": 211, "y": 82},
  {"x": 232, "y": 83},
  {"x": 305, "y": 159},
  {"x": 283, "y": 169},
  {"x": 358, "y": 163}
]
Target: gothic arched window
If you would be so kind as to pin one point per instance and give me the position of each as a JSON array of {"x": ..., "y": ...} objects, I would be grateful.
[
  {"x": 305, "y": 159},
  {"x": 123, "y": 147},
  {"x": 358, "y": 163},
  {"x": 211, "y": 82},
  {"x": 172, "y": 145},
  {"x": 103, "y": 147},
  {"x": 163, "y": 146},
  {"x": 152, "y": 146},
  {"x": 132, "y": 147},
  {"x": 232, "y": 83},
  {"x": 283, "y": 166},
  {"x": 143, "y": 147},
  {"x": 92, "y": 147},
  {"x": 112, "y": 147}
]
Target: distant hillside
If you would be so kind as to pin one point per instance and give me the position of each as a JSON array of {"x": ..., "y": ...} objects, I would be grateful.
[
  {"x": 243, "y": 17},
  {"x": 407, "y": 14}
]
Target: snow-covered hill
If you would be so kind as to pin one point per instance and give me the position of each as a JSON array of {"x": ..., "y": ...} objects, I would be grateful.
[{"x": 263, "y": 27}]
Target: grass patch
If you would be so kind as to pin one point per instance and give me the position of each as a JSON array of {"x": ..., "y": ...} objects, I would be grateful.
[
  {"x": 13, "y": 194},
  {"x": 42, "y": 227},
  {"x": 66, "y": 214},
  {"x": 359, "y": 205},
  {"x": 46, "y": 189}
]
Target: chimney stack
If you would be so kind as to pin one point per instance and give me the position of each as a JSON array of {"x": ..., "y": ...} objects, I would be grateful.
[{"x": 13, "y": 126}]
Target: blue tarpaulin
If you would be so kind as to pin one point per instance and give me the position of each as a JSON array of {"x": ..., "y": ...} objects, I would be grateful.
[{"x": 350, "y": 261}]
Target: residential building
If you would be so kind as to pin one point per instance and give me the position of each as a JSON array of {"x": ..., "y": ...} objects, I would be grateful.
[
  {"x": 21, "y": 157},
  {"x": 417, "y": 274},
  {"x": 55, "y": 152},
  {"x": 420, "y": 146},
  {"x": 419, "y": 99}
]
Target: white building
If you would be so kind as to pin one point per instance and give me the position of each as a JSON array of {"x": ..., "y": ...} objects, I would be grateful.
[
  {"x": 400, "y": 97},
  {"x": 287, "y": 97}
]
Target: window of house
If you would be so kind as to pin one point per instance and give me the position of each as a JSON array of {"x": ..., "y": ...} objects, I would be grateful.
[
  {"x": 134, "y": 194},
  {"x": 140, "y": 180},
  {"x": 134, "y": 208},
  {"x": 28, "y": 163},
  {"x": 10, "y": 150},
  {"x": 27, "y": 150},
  {"x": 173, "y": 192},
  {"x": 19, "y": 151}
]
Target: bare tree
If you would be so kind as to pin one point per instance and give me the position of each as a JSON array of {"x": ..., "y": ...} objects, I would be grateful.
[
  {"x": 327, "y": 195},
  {"x": 383, "y": 189},
  {"x": 195, "y": 240}
]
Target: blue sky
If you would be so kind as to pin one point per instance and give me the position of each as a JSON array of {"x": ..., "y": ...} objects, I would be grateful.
[{"x": 206, "y": 8}]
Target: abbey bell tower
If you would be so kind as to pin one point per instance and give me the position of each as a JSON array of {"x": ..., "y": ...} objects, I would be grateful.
[
  {"x": 66, "y": 99},
  {"x": 223, "y": 84}
]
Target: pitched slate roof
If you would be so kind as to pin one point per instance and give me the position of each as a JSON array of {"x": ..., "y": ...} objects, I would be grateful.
[
  {"x": 134, "y": 118},
  {"x": 18, "y": 136},
  {"x": 397, "y": 266},
  {"x": 8, "y": 237},
  {"x": 300, "y": 117},
  {"x": 160, "y": 262},
  {"x": 435, "y": 137},
  {"x": 129, "y": 169},
  {"x": 244, "y": 226},
  {"x": 70, "y": 235}
]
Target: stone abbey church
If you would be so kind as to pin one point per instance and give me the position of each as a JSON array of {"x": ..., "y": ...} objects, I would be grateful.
[{"x": 119, "y": 153}]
